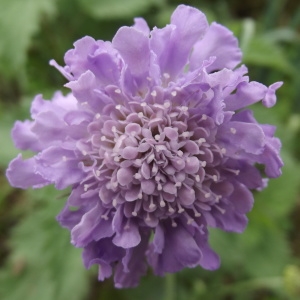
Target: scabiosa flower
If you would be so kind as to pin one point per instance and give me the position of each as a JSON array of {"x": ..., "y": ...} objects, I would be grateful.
[{"x": 156, "y": 144}]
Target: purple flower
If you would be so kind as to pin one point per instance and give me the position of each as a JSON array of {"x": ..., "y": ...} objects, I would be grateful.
[{"x": 156, "y": 143}]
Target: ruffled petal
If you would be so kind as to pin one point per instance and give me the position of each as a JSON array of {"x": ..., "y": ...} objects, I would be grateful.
[
  {"x": 173, "y": 44},
  {"x": 23, "y": 173},
  {"x": 219, "y": 42}
]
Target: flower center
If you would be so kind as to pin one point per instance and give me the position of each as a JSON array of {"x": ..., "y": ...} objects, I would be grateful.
[{"x": 156, "y": 160}]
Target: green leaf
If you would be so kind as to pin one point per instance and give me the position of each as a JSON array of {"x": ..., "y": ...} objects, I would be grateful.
[
  {"x": 262, "y": 51},
  {"x": 103, "y": 9},
  {"x": 19, "y": 20},
  {"x": 43, "y": 264}
]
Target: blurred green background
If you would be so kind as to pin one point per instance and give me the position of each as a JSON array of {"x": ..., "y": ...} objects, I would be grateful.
[{"x": 37, "y": 261}]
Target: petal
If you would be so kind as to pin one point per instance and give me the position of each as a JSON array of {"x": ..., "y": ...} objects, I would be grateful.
[
  {"x": 235, "y": 136},
  {"x": 59, "y": 166},
  {"x": 173, "y": 44},
  {"x": 133, "y": 45},
  {"x": 141, "y": 25},
  {"x": 270, "y": 97},
  {"x": 247, "y": 93},
  {"x": 22, "y": 173},
  {"x": 24, "y": 138},
  {"x": 133, "y": 265},
  {"x": 180, "y": 250},
  {"x": 129, "y": 237},
  {"x": 220, "y": 43}
]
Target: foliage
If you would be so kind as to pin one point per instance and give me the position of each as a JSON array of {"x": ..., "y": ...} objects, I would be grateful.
[{"x": 36, "y": 258}]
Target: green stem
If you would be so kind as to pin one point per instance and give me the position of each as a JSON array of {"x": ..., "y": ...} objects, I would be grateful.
[{"x": 170, "y": 283}]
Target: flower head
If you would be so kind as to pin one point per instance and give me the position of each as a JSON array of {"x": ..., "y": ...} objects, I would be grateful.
[{"x": 154, "y": 139}]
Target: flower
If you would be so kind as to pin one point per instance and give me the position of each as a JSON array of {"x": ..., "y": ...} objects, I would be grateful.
[{"x": 156, "y": 143}]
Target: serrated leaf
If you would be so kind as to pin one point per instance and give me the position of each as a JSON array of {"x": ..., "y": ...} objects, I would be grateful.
[
  {"x": 19, "y": 20},
  {"x": 103, "y": 9}
]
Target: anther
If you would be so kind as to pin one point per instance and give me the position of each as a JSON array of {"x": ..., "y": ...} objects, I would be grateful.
[
  {"x": 233, "y": 130},
  {"x": 201, "y": 141},
  {"x": 114, "y": 202},
  {"x": 179, "y": 153},
  {"x": 64, "y": 158},
  {"x": 174, "y": 93},
  {"x": 180, "y": 209},
  {"x": 137, "y": 176},
  {"x": 220, "y": 209},
  {"x": 118, "y": 91},
  {"x": 97, "y": 116},
  {"x": 204, "y": 117},
  {"x": 162, "y": 203},
  {"x": 167, "y": 104},
  {"x": 153, "y": 93},
  {"x": 166, "y": 75},
  {"x": 196, "y": 213},
  {"x": 178, "y": 184},
  {"x": 207, "y": 195},
  {"x": 174, "y": 224}
]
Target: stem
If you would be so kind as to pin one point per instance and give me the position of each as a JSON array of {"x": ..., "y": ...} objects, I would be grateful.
[{"x": 170, "y": 283}]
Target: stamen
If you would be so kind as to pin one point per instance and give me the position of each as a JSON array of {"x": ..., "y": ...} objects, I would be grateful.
[
  {"x": 179, "y": 153},
  {"x": 233, "y": 130},
  {"x": 167, "y": 104},
  {"x": 154, "y": 93},
  {"x": 152, "y": 205},
  {"x": 204, "y": 117},
  {"x": 221, "y": 210},
  {"x": 174, "y": 93},
  {"x": 178, "y": 184},
  {"x": 180, "y": 209},
  {"x": 201, "y": 141},
  {"x": 197, "y": 178},
  {"x": 64, "y": 158},
  {"x": 105, "y": 216},
  {"x": 148, "y": 217},
  {"x": 114, "y": 203},
  {"x": 162, "y": 203},
  {"x": 184, "y": 108},
  {"x": 236, "y": 172},
  {"x": 197, "y": 214},
  {"x": 189, "y": 219},
  {"x": 137, "y": 176},
  {"x": 118, "y": 91},
  {"x": 171, "y": 209},
  {"x": 97, "y": 116},
  {"x": 166, "y": 75},
  {"x": 174, "y": 224}
]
